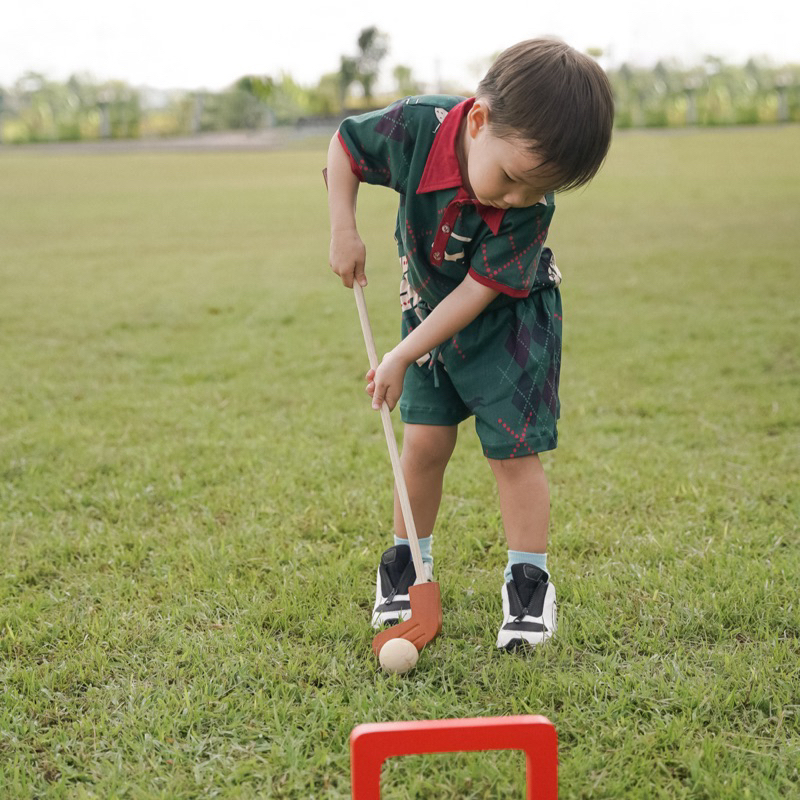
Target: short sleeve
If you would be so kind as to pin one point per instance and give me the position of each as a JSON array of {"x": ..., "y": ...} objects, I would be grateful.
[
  {"x": 380, "y": 144},
  {"x": 508, "y": 261}
]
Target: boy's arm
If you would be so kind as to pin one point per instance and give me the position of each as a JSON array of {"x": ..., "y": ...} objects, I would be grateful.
[
  {"x": 347, "y": 251},
  {"x": 450, "y": 316}
]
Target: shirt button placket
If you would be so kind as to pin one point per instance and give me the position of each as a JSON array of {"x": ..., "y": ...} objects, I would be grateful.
[{"x": 444, "y": 231}]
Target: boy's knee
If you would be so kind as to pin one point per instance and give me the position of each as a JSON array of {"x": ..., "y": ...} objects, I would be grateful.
[
  {"x": 511, "y": 468},
  {"x": 428, "y": 446}
]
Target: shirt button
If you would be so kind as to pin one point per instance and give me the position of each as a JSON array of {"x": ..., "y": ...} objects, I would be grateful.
[{"x": 445, "y": 229}]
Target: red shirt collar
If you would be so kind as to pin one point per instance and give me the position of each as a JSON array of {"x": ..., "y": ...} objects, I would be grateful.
[{"x": 442, "y": 170}]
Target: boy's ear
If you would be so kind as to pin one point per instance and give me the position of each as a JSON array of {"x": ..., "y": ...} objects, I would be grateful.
[{"x": 477, "y": 117}]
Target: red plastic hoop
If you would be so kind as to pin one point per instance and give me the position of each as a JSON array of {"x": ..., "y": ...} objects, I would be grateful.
[{"x": 371, "y": 744}]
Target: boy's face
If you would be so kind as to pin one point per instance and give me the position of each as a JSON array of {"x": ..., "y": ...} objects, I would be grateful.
[{"x": 502, "y": 172}]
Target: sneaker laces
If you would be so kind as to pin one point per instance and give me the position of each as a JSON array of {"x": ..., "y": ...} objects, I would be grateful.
[
  {"x": 524, "y": 612},
  {"x": 405, "y": 577},
  {"x": 531, "y": 588}
]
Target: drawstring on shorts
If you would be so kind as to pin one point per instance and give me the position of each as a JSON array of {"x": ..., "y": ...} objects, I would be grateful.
[{"x": 433, "y": 364}]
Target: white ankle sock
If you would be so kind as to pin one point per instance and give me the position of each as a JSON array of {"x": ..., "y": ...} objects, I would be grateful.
[{"x": 425, "y": 547}]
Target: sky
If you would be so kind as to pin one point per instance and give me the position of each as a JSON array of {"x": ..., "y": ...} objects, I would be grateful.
[{"x": 170, "y": 44}]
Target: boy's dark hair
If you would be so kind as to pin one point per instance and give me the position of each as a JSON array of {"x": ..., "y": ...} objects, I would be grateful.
[{"x": 544, "y": 92}]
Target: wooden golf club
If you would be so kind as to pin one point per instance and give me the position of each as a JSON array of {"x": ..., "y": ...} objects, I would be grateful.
[{"x": 426, "y": 601}]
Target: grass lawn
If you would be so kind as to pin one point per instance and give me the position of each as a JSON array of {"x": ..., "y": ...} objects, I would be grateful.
[{"x": 194, "y": 490}]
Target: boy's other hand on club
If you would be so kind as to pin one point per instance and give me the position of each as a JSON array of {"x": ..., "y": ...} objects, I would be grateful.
[
  {"x": 348, "y": 257},
  {"x": 385, "y": 385}
]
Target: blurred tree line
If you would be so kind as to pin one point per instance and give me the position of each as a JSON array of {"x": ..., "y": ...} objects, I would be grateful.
[
  {"x": 711, "y": 93},
  {"x": 36, "y": 109}
]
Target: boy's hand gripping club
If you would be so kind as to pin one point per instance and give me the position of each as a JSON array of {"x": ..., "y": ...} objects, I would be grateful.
[{"x": 426, "y": 602}]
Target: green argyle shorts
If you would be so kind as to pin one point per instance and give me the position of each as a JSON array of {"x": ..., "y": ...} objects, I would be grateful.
[{"x": 503, "y": 368}]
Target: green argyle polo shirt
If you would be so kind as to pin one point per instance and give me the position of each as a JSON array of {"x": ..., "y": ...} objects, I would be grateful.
[
  {"x": 504, "y": 366},
  {"x": 445, "y": 233}
]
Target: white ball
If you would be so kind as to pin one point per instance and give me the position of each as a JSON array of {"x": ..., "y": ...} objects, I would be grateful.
[{"x": 398, "y": 656}]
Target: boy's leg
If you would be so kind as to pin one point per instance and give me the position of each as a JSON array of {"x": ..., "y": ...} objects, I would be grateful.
[
  {"x": 529, "y": 607},
  {"x": 524, "y": 502},
  {"x": 426, "y": 452}
]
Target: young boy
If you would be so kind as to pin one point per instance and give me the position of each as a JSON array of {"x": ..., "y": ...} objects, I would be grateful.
[{"x": 481, "y": 308}]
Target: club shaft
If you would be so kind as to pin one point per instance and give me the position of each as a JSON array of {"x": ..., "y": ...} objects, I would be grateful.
[{"x": 391, "y": 442}]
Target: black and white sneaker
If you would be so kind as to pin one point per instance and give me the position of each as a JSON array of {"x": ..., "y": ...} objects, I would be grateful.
[
  {"x": 529, "y": 608},
  {"x": 396, "y": 574}
]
